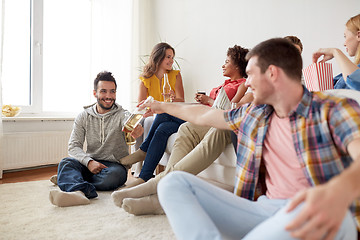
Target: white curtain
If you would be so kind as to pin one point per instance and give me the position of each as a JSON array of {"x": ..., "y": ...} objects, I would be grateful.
[{"x": 2, "y": 3}]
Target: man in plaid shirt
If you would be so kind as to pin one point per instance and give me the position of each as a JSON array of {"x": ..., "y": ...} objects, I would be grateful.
[{"x": 307, "y": 145}]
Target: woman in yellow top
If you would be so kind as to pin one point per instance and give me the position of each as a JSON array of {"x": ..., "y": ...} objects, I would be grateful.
[{"x": 152, "y": 80}]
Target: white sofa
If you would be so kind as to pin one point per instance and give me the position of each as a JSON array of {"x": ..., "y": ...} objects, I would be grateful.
[{"x": 222, "y": 171}]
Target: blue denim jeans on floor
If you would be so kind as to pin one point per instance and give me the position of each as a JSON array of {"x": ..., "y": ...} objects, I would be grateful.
[
  {"x": 73, "y": 176},
  {"x": 199, "y": 210},
  {"x": 155, "y": 143}
]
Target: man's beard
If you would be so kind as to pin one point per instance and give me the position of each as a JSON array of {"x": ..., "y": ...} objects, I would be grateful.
[{"x": 102, "y": 106}]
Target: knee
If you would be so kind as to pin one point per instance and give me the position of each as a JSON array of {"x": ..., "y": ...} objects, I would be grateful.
[
  {"x": 163, "y": 117},
  {"x": 183, "y": 128},
  {"x": 186, "y": 127},
  {"x": 165, "y": 129},
  {"x": 68, "y": 161},
  {"x": 171, "y": 181}
]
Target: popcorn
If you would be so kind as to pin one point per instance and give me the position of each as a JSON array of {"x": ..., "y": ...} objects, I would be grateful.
[
  {"x": 10, "y": 111},
  {"x": 318, "y": 77}
]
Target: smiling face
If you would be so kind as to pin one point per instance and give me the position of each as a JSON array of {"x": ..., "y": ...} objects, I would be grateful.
[
  {"x": 168, "y": 61},
  {"x": 258, "y": 82},
  {"x": 229, "y": 69},
  {"x": 351, "y": 43},
  {"x": 105, "y": 95}
]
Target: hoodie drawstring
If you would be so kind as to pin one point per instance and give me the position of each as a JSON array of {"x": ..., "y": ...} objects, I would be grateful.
[{"x": 102, "y": 131}]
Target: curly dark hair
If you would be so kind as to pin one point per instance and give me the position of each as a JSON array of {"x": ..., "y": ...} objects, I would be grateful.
[
  {"x": 104, "y": 76},
  {"x": 237, "y": 55}
]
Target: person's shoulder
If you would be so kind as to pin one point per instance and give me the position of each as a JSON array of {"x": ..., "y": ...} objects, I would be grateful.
[
  {"x": 341, "y": 99},
  {"x": 253, "y": 110},
  {"x": 173, "y": 72},
  {"x": 118, "y": 110},
  {"x": 82, "y": 116},
  {"x": 147, "y": 81}
]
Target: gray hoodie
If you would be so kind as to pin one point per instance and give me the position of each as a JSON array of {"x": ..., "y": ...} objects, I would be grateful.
[{"x": 103, "y": 135}]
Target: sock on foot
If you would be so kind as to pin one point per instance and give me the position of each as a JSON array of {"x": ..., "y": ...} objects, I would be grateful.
[
  {"x": 138, "y": 191},
  {"x": 66, "y": 199},
  {"x": 53, "y": 179},
  {"x": 135, "y": 157},
  {"x": 143, "y": 206}
]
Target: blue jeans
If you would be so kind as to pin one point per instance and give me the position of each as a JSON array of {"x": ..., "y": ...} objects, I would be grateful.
[
  {"x": 155, "y": 143},
  {"x": 73, "y": 176},
  {"x": 199, "y": 210}
]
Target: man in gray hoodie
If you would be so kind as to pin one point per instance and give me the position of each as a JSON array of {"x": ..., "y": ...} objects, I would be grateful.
[{"x": 99, "y": 168}]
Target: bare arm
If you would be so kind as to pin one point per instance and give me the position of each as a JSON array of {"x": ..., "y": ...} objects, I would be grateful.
[
  {"x": 179, "y": 90},
  {"x": 143, "y": 92},
  {"x": 248, "y": 98},
  {"x": 347, "y": 67},
  {"x": 239, "y": 93},
  {"x": 194, "y": 113},
  {"x": 325, "y": 206}
]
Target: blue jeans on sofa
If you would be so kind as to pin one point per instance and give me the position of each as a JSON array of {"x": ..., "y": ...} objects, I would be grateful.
[
  {"x": 163, "y": 127},
  {"x": 73, "y": 176}
]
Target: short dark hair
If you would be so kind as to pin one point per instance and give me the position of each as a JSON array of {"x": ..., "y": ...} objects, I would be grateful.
[
  {"x": 295, "y": 40},
  {"x": 279, "y": 52},
  {"x": 104, "y": 76},
  {"x": 237, "y": 55}
]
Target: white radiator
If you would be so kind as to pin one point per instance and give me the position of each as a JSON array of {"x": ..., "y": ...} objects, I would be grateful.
[{"x": 31, "y": 149}]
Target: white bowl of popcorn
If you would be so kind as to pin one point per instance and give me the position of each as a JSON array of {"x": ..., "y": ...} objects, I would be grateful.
[{"x": 10, "y": 111}]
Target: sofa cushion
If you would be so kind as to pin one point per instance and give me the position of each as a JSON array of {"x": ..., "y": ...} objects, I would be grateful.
[
  {"x": 226, "y": 158},
  {"x": 345, "y": 93}
]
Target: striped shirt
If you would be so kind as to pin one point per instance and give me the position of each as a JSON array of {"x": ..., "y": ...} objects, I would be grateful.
[{"x": 322, "y": 126}]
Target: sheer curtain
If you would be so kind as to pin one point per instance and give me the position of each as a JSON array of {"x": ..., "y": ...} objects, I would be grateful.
[{"x": 2, "y": 6}]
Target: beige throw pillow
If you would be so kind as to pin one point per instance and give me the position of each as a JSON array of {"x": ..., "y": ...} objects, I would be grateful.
[{"x": 222, "y": 101}]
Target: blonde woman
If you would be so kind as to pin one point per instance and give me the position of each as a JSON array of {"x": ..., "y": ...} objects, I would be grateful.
[{"x": 350, "y": 76}]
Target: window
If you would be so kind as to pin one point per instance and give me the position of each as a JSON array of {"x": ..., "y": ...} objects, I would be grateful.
[
  {"x": 54, "y": 49},
  {"x": 16, "y": 53}
]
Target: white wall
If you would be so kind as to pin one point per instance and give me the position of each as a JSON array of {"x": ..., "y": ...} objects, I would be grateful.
[{"x": 201, "y": 30}]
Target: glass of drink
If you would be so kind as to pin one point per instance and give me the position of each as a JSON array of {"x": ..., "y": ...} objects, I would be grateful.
[
  {"x": 133, "y": 120},
  {"x": 233, "y": 105},
  {"x": 129, "y": 139},
  {"x": 166, "y": 89}
]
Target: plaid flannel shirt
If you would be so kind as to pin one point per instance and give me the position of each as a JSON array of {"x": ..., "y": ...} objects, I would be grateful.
[{"x": 322, "y": 126}]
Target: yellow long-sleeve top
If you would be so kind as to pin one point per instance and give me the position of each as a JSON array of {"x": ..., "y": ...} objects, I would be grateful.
[{"x": 153, "y": 84}]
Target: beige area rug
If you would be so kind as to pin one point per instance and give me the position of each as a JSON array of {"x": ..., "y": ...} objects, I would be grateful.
[{"x": 26, "y": 213}]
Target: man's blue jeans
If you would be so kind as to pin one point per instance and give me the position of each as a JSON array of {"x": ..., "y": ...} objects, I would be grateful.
[
  {"x": 73, "y": 176},
  {"x": 199, "y": 210},
  {"x": 155, "y": 143}
]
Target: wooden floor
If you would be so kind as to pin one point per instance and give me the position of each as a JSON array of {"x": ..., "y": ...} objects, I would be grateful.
[
  {"x": 43, "y": 173},
  {"x": 29, "y": 175}
]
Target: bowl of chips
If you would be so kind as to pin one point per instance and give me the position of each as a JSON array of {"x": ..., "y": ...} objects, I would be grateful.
[{"x": 10, "y": 111}]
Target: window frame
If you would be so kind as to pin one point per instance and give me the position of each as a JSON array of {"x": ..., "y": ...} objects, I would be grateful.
[
  {"x": 36, "y": 63},
  {"x": 100, "y": 60}
]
